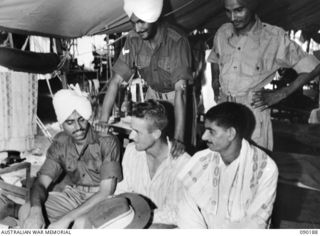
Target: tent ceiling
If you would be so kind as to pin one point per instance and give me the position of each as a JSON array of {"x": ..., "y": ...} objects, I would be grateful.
[{"x": 76, "y": 18}]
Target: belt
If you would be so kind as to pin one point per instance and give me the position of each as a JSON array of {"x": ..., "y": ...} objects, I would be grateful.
[{"x": 88, "y": 189}]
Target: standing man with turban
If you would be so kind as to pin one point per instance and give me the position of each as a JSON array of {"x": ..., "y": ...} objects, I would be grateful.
[
  {"x": 90, "y": 162},
  {"x": 246, "y": 55},
  {"x": 163, "y": 57}
]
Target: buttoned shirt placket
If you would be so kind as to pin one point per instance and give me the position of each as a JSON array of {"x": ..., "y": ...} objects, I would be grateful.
[{"x": 238, "y": 44}]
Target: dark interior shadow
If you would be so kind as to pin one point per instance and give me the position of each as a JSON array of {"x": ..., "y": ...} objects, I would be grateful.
[
  {"x": 289, "y": 199},
  {"x": 296, "y": 206}
]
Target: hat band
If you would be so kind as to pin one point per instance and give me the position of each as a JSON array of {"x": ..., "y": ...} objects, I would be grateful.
[{"x": 120, "y": 222}]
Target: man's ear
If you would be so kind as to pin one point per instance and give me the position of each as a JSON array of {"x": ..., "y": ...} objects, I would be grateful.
[
  {"x": 156, "y": 134},
  {"x": 232, "y": 133}
]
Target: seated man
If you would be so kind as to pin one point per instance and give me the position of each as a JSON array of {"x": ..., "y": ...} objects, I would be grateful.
[
  {"x": 232, "y": 184},
  {"x": 89, "y": 161},
  {"x": 148, "y": 167}
]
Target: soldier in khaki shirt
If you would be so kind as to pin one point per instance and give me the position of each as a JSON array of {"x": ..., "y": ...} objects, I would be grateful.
[
  {"x": 90, "y": 162},
  {"x": 246, "y": 55},
  {"x": 163, "y": 57}
]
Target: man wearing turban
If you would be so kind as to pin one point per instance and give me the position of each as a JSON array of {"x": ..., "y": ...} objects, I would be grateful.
[
  {"x": 162, "y": 55},
  {"x": 90, "y": 163},
  {"x": 246, "y": 54}
]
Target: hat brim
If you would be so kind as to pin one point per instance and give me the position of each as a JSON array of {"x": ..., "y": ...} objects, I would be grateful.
[{"x": 142, "y": 210}]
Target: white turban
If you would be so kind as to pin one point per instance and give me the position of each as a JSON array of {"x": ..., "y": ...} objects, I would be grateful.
[
  {"x": 65, "y": 101},
  {"x": 146, "y": 10}
]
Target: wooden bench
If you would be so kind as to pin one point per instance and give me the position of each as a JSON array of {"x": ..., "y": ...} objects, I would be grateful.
[{"x": 10, "y": 189}]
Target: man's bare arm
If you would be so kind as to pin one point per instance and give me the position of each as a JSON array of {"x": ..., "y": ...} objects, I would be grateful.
[
  {"x": 178, "y": 146},
  {"x": 110, "y": 97},
  {"x": 107, "y": 188},
  {"x": 215, "y": 81},
  {"x": 39, "y": 193},
  {"x": 264, "y": 99}
]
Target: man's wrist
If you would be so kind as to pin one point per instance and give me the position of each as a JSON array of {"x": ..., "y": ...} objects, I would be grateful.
[
  {"x": 35, "y": 210},
  {"x": 104, "y": 119}
]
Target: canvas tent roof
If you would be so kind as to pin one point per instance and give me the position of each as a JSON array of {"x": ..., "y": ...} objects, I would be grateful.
[{"x": 76, "y": 18}]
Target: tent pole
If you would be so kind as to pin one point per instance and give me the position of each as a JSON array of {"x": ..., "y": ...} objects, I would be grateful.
[
  {"x": 49, "y": 86},
  {"x": 63, "y": 79}
]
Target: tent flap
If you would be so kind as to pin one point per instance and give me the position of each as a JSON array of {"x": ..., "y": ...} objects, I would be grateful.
[{"x": 74, "y": 18}]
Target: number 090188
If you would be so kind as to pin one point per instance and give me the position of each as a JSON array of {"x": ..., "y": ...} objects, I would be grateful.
[{"x": 309, "y": 231}]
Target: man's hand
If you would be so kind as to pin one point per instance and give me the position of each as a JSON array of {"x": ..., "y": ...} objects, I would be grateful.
[
  {"x": 102, "y": 127},
  {"x": 263, "y": 99},
  {"x": 177, "y": 148},
  {"x": 63, "y": 223},
  {"x": 34, "y": 220}
]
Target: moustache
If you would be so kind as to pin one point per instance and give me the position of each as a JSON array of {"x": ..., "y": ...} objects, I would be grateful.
[
  {"x": 141, "y": 32},
  {"x": 79, "y": 130},
  {"x": 236, "y": 22}
]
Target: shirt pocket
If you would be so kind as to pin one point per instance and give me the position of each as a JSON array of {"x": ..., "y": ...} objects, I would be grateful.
[
  {"x": 94, "y": 163},
  {"x": 143, "y": 61},
  {"x": 252, "y": 65},
  {"x": 165, "y": 64},
  {"x": 70, "y": 163}
]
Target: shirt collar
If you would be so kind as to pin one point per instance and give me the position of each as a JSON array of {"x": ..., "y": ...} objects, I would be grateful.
[
  {"x": 256, "y": 28},
  {"x": 161, "y": 34},
  {"x": 254, "y": 32}
]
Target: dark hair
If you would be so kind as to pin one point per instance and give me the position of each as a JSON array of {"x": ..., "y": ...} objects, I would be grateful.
[
  {"x": 153, "y": 111},
  {"x": 230, "y": 114},
  {"x": 252, "y": 5}
]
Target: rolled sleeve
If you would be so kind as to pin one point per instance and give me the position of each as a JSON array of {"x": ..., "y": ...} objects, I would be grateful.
[
  {"x": 121, "y": 68},
  {"x": 289, "y": 52},
  {"x": 306, "y": 64},
  {"x": 111, "y": 169},
  {"x": 111, "y": 166},
  {"x": 125, "y": 60},
  {"x": 52, "y": 166},
  {"x": 214, "y": 54}
]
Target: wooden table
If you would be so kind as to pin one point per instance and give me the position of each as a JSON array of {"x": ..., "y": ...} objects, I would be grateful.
[{"x": 10, "y": 189}]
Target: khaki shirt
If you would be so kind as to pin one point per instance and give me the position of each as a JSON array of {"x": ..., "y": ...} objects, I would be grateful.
[
  {"x": 249, "y": 62},
  {"x": 161, "y": 67},
  {"x": 98, "y": 160}
]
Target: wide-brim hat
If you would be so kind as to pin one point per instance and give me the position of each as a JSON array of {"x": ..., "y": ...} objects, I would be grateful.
[{"x": 126, "y": 210}]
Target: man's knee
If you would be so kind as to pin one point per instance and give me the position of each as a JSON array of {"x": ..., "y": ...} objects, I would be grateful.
[
  {"x": 82, "y": 223},
  {"x": 24, "y": 212}
]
